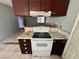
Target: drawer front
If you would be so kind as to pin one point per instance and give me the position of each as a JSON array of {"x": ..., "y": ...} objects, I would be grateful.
[
  {"x": 23, "y": 45},
  {"x": 59, "y": 42},
  {"x": 41, "y": 53},
  {"x": 26, "y": 51},
  {"x": 24, "y": 40}
]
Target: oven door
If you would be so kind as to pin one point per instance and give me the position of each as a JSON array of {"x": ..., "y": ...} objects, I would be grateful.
[{"x": 40, "y": 45}]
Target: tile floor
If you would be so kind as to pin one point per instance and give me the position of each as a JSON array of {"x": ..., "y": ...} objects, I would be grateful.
[{"x": 12, "y": 51}]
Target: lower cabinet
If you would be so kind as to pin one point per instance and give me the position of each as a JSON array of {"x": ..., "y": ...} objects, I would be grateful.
[
  {"x": 58, "y": 47},
  {"x": 25, "y": 46}
]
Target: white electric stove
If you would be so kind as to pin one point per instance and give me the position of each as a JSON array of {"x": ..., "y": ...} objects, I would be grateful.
[
  {"x": 41, "y": 40},
  {"x": 41, "y": 44}
]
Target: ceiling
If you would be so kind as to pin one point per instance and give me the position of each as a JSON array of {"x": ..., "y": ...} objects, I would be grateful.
[{"x": 6, "y": 2}]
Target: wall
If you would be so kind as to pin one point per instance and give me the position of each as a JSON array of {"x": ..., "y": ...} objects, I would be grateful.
[
  {"x": 67, "y": 21},
  {"x": 7, "y": 2},
  {"x": 8, "y": 22},
  {"x": 72, "y": 50},
  {"x": 31, "y": 21}
]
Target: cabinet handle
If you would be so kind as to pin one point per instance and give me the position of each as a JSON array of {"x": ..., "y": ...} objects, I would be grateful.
[
  {"x": 24, "y": 40},
  {"x": 54, "y": 12},
  {"x": 25, "y": 44},
  {"x": 25, "y": 48},
  {"x": 43, "y": 9},
  {"x": 53, "y": 8},
  {"x": 26, "y": 52}
]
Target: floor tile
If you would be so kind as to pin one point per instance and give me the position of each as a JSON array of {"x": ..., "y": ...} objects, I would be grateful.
[
  {"x": 35, "y": 57},
  {"x": 45, "y": 57},
  {"x": 55, "y": 57}
]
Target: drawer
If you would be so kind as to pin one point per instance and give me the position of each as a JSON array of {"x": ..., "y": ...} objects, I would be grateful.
[
  {"x": 24, "y": 40},
  {"x": 26, "y": 52},
  {"x": 41, "y": 53},
  {"x": 59, "y": 41},
  {"x": 25, "y": 44},
  {"x": 26, "y": 49},
  {"x": 59, "y": 44}
]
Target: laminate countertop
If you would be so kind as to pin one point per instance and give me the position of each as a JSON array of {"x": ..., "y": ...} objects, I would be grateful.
[
  {"x": 28, "y": 35},
  {"x": 57, "y": 36},
  {"x": 25, "y": 35}
]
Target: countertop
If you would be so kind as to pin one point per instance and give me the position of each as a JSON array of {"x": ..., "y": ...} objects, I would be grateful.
[
  {"x": 28, "y": 35},
  {"x": 25, "y": 35},
  {"x": 57, "y": 36}
]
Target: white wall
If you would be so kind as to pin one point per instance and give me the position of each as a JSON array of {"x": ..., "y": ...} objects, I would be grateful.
[
  {"x": 72, "y": 50},
  {"x": 67, "y": 21},
  {"x": 8, "y": 22},
  {"x": 7, "y": 2}
]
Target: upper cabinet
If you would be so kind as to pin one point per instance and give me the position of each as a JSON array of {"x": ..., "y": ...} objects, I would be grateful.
[
  {"x": 23, "y": 7},
  {"x": 40, "y": 5},
  {"x": 46, "y": 5},
  {"x": 20, "y": 7},
  {"x": 34, "y": 5},
  {"x": 59, "y": 7}
]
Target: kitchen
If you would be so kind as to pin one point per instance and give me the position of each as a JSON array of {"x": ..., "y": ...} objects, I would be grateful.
[
  {"x": 41, "y": 31},
  {"x": 41, "y": 34}
]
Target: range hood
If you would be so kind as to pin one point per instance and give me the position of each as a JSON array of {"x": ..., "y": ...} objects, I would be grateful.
[{"x": 40, "y": 13}]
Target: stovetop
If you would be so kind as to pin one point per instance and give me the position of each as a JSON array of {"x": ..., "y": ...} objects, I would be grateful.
[{"x": 41, "y": 35}]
